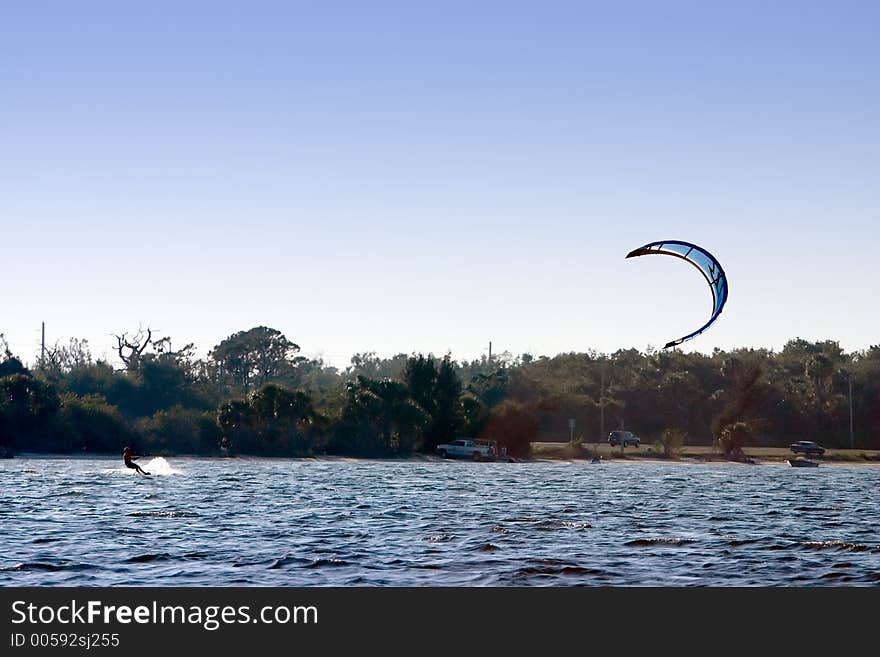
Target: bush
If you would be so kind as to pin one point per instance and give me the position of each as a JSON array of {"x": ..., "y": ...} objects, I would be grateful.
[
  {"x": 513, "y": 426},
  {"x": 670, "y": 441},
  {"x": 29, "y": 415},
  {"x": 274, "y": 421},
  {"x": 91, "y": 424},
  {"x": 733, "y": 437},
  {"x": 180, "y": 431}
]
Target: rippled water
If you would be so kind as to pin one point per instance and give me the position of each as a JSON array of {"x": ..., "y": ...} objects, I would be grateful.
[{"x": 280, "y": 522}]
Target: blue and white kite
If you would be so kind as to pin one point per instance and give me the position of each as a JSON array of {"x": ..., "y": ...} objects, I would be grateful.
[{"x": 702, "y": 260}]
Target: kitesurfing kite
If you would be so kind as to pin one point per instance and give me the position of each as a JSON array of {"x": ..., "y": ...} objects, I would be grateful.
[{"x": 702, "y": 260}]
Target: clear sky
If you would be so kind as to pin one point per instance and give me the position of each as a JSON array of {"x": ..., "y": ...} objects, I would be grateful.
[{"x": 430, "y": 176}]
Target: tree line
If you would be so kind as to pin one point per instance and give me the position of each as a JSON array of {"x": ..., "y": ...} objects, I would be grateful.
[{"x": 255, "y": 394}]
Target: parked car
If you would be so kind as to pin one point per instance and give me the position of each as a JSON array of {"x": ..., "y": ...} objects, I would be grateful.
[
  {"x": 465, "y": 448},
  {"x": 807, "y": 447},
  {"x": 628, "y": 438}
]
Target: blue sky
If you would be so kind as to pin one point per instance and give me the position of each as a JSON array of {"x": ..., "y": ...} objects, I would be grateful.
[{"x": 399, "y": 177}]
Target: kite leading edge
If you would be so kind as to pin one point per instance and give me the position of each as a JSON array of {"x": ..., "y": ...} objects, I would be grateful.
[{"x": 702, "y": 260}]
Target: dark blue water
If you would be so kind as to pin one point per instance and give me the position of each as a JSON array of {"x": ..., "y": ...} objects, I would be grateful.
[{"x": 258, "y": 522}]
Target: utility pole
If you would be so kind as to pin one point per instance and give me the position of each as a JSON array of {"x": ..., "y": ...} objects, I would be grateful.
[
  {"x": 43, "y": 348},
  {"x": 490, "y": 351}
]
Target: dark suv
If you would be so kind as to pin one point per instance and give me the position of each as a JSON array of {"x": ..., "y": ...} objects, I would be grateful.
[
  {"x": 628, "y": 438},
  {"x": 807, "y": 447}
]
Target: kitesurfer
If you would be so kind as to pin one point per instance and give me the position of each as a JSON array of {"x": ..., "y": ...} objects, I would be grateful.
[{"x": 129, "y": 458}]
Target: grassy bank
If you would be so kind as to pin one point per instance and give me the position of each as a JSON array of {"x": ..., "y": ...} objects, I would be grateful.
[{"x": 690, "y": 452}]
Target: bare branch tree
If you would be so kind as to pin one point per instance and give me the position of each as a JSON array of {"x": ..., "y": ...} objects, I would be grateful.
[
  {"x": 61, "y": 358},
  {"x": 136, "y": 345}
]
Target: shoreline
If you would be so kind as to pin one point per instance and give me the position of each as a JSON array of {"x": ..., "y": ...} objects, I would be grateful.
[
  {"x": 865, "y": 458},
  {"x": 696, "y": 453}
]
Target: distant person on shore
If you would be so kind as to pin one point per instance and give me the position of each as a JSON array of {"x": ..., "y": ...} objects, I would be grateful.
[{"x": 129, "y": 458}]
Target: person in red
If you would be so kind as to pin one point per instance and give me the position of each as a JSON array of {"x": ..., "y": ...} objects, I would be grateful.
[{"x": 129, "y": 458}]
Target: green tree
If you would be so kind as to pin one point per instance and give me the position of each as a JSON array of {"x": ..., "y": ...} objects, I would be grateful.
[
  {"x": 474, "y": 414},
  {"x": 237, "y": 421},
  {"x": 9, "y": 364},
  {"x": 437, "y": 390},
  {"x": 735, "y": 425},
  {"x": 378, "y": 418},
  {"x": 273, "y": 422},
  {"x": 420, "y": 376},
  {"x": 29, "y": 415},
  {"x": 446, "y": 419},
  {"x": 118, "y": 388},
  {"x": 370, "y": 365},
  {"x": 180, "y": 430},
  {"x": 254, "y": 356},
  {"x": 93, "y": 425},
  {"x": 170, "y": 378},
  {"x": 283, "y": 419}
]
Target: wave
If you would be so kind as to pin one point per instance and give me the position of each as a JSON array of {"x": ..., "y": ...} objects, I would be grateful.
[
  {"x": 840, "y": 545},
  {"x": 163, "y": 514},
  {"x": 639, "y": 542},
  {"x": 317, "y": 563},
  {"x": 576, "y": 525},
  {"x": 289, "y": 561},
  {"x": 303, "y": 562},
  {"x": 164, "y": 556},
  {"x": 147, "y": 558},
  {"x": 550, "y": 568},
  {"x": 158, "y": 466},
  {"x": 544, "y": 524},
  {"x": 75, "y": 492},
  {"x": 38, "y": 566}
]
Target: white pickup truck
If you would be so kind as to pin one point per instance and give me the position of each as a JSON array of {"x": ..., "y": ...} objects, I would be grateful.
[{"x": 464, "y": 448}]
